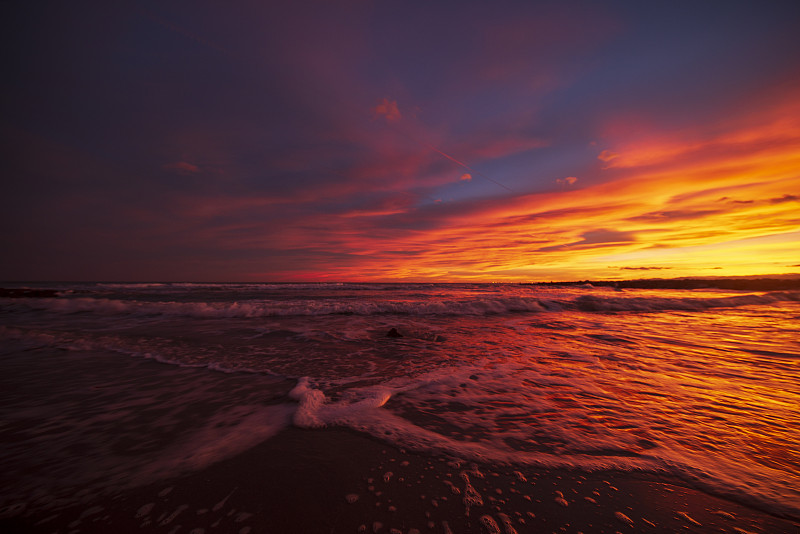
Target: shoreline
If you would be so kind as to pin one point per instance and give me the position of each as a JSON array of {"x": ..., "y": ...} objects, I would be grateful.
[{"x": 337, "y": 480}]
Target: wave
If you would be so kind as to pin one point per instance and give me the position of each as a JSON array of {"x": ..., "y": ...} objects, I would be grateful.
[{"x": 419, "y": 307}]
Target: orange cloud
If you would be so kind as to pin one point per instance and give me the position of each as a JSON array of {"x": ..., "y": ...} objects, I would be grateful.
[
  {"x": 569, "y": 180},
  {"x": 387, "y": 109},
  {"x": 182, "y": 167},
  {"x": 607, "y": 155}
]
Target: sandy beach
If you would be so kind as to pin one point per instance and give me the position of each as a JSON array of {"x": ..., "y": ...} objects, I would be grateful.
[{"x": 332, "y": 481}]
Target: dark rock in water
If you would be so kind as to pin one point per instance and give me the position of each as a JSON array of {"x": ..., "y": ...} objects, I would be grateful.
[
  {"x": 473, "y": 377},
  {"x": 393, "y": 333}
]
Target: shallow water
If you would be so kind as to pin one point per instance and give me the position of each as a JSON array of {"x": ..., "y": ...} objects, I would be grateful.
[{"x": 700, "y": 384}]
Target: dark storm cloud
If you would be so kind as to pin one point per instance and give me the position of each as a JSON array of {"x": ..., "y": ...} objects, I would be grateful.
[
  {"x": 785, "y": 198},
  {"x": 674, "y": 215}
]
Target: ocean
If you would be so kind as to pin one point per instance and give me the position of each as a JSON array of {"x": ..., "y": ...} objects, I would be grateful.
[{"x": 105, "y": 387}]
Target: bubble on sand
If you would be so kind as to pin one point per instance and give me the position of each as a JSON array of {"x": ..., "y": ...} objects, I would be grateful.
[
  {"x": 476, "y": 472},
  {"x": 471, "y": 495},
  {"x": 175, "y": 513},
  {"x": 689, "y": 519},
  {"x": 217, "y": 507},
  {"x": 145, "y": 510},
  {"x": 351, "y": 497},
  {"x": 623, "y": 518},
  {"x": 490, "y": 525},
  {"x": 520, "y": 476},
  {"x": 446, "y": 528},
  {"x": 507, "y": 526},
  {"x": 376, "y": 526},
  {"x": 165, "y": 491},
  {"x": 387, "y": 476},
  {"x": 562, "y": 501},
  {"x": 589, "y": 499},
  {"x": 726, "y": 515},
  {"x": 453, "y": 488},
  {"x": 241, "y": 517}
]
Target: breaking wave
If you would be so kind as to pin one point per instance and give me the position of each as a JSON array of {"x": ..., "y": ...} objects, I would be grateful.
[{"x": 475, "y": 306}]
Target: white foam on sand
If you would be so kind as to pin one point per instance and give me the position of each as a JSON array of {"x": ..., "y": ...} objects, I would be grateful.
[{"x": 512, "y": 412}]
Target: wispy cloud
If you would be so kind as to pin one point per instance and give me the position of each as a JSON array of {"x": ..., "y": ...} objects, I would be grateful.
[
  {"x": 387, "y": 109},
  {"x": 182, "y": 167}
]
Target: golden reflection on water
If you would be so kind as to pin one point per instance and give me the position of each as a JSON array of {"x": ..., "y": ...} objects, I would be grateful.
[{"x": 719, "y": 392}]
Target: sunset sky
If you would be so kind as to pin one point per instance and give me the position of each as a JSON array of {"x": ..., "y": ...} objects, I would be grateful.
[{"x": 399, "y": 140}]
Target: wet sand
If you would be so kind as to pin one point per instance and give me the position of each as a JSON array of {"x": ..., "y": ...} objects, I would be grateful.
[{"x": 332, "y": 481}]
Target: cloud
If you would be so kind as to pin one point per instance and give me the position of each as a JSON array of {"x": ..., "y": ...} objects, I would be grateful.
[
  {"x": 785, "y": 198},
  {"x": 183, "y": 167},
  {"x": 499, "y": 147},
  {"x": 569, "y": 180},
  {"x": 675, "y": 215},
  {"x": 605, "y": 236},
  {"x": 387, "y": 109},
  {"x": 466, "y": 177},
  {"x": 601, "y": 237},
  {"x": 734, "y": 201},
  {"x": 607, "y": 155},
  {"x": 642, "y": 268}
]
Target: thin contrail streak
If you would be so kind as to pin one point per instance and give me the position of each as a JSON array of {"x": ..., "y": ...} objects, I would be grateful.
[{"x": 479, "y": 173}]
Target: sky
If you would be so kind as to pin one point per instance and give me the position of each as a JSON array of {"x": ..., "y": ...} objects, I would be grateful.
[{"x": 399, "y": 140}]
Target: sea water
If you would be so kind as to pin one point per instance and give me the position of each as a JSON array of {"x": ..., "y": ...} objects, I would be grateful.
[{"x": 108, "y": 386}]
